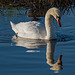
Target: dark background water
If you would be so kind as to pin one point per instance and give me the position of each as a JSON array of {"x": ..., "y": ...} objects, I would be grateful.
[{"x": 30, "y": 57}]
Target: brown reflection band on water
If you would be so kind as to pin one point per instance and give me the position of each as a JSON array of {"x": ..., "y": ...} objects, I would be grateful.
[
  {"x": 39, "y": 9},
  {"x": 37, "y": 2}
]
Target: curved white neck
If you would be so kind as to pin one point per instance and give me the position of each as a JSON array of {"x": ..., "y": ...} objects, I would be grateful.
[{"x": 49, "y": 27}]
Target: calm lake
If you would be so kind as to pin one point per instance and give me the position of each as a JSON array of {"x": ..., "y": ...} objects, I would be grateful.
[{"x": 19, "y": 56}]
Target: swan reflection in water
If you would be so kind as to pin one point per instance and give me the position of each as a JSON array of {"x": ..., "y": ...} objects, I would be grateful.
[
  {"x": 50, "y": 57},
  {"x": 31, "y": 44}
]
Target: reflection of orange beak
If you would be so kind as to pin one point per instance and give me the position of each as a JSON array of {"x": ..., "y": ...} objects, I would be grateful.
[
  {"x": 58, "y": 21},
  {"x": 60, "y": 59}
]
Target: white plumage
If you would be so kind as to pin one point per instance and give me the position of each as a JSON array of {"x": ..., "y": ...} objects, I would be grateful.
[
  {"x": 34, "y": 30},
  {"x": 31, "y": 29}
]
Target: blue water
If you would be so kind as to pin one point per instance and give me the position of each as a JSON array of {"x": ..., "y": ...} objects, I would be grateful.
[{"x": 30, "y": 57}]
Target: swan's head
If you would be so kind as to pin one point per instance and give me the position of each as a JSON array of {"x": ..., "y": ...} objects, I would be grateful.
[{"x": 56, "y": 14}]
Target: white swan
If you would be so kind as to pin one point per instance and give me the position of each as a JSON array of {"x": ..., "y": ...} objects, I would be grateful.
[{"x": 34, "y": 30}]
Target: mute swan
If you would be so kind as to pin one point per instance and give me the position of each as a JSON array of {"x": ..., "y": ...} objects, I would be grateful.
[{"x": 34, "y": 30}]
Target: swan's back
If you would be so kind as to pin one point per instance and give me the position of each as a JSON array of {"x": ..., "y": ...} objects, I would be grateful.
[{"x": 31, "y": 29}]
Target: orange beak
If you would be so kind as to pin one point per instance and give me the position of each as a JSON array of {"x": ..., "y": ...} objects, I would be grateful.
[
  {"x": 58, "y": 21},
  {"x": 60, "y": 59}
]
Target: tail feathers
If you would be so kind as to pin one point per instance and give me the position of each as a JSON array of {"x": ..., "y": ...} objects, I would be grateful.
[
  {"x": 11, "y": 22},
  {"x": 13, "y": 27}
]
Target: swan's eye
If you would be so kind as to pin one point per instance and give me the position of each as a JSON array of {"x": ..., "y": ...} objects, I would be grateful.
[{"x": 58, "y": 17}]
